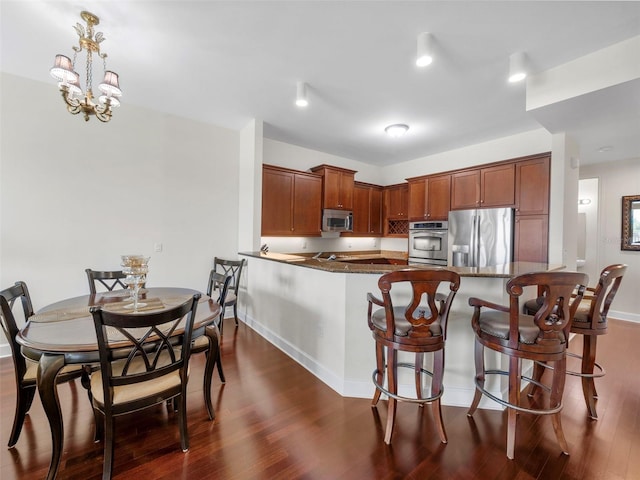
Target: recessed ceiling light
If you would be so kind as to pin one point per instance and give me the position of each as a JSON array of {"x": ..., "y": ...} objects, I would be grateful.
[
  {"x": 396, "y": 130},
  {"x": 605, "y": 148}
]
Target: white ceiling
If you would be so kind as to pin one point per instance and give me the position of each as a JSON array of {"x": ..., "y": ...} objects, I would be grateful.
[{"x": 225, "y": 63}]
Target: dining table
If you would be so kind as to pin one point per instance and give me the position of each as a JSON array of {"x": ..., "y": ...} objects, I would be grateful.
[{"x": 63, "y": 333}]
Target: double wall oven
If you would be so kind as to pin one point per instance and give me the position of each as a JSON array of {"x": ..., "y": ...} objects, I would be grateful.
[{"x": 428, "y": 243}]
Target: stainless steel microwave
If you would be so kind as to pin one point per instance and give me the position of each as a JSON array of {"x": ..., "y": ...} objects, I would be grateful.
[{"x": 337, "y": 220}]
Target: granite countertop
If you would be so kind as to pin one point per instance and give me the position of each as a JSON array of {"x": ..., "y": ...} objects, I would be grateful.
[{"x": 341, "y": 265}]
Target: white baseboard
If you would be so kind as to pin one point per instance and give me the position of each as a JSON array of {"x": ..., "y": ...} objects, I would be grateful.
[{"x": 626, "y": 316}]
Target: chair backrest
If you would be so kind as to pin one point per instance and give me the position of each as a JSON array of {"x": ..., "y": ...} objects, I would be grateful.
[
  {"x": 220, "y": 282},
  {"x": 111, "y": 280},
  {"x": 148, "y": 345},
  {"x": 10, "y": 328},
  {"x": 232, "y": 268},
  {"x": 422, "y": 310},
  {"x": 603, "y": 294},
  {"x": 562, "y": 293}
]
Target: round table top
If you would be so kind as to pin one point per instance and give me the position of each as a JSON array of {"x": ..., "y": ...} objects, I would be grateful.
[{"x": 67, "y": 327}]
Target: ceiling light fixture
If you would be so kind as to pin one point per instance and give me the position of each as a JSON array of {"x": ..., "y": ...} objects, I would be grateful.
[
  {"x": 396, "y": 130},
  {"x": 517, "y": 67},
  {"x": 64, "y": 70},
  {"x": 425, "y": 49},
  {"x": 301, "y": 95}
]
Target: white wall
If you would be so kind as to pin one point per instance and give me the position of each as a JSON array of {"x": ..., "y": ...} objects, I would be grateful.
[
  {"x": 617, "y": 179},
  {"x": 78, "y": 194}
]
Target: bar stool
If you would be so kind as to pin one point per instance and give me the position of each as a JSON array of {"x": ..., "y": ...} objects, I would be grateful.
[
  {"x": 419, "y": 327},
  {"x": 590, "y": 321},
  {"x": 543, "y": 337}
]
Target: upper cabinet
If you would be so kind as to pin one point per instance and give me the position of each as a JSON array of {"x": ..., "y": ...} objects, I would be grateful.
[
  {"x": 396, "y": 201},
  {"x": 367, "y": 210},
  {"x": 532, "y": 186},
  {"x": 484, "y": 187},
  {"x": 395, "y": 210},
  {"x": 429, "y": 197},
  {"x": 337, "y": 189},
  {"x": 291, "y": 202}
]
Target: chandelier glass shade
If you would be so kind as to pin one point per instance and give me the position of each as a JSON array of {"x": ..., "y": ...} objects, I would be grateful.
[{"x": 63, "y": 70}]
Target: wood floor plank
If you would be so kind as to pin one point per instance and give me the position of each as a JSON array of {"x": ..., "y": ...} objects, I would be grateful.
[{"x": 275, "y": 420}]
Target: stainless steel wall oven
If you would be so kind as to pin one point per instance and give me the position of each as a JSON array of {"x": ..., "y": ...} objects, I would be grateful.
[{"x": 428, "y": 243}]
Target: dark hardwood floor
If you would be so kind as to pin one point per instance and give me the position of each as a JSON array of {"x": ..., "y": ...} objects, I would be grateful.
[{"x": 277, "y": 421}]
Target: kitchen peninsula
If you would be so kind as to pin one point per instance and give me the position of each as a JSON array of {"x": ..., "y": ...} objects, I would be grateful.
[{"x": 315, "y": 310}]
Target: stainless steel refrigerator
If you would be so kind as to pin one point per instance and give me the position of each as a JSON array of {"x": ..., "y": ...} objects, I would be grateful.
[{"x": 480, "y": 237}]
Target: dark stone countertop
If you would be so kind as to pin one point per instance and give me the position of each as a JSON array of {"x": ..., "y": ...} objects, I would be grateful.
[{"x": 341, "y": 264}]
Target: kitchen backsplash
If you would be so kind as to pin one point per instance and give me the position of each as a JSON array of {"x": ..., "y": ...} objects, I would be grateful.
[{"x": 341, "y": 244}]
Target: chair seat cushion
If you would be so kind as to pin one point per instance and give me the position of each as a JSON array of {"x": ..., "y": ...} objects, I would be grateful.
[
  {"x": 496, "y": 324},
  {"x": 581, "y": 315},
  {"x": 128, "y": 393},
  {"x": 32, "y": 370},
  {"x": 379, "y": 321}
]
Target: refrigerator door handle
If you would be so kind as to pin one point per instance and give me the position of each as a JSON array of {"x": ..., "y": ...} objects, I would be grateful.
[{"x": 474, "y": 240}]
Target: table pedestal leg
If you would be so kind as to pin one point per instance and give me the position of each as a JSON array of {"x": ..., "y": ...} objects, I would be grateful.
[{"x": 48, "y": 369}]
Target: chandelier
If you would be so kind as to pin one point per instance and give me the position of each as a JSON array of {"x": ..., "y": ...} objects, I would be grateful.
[{"x": 63, "y": 70}]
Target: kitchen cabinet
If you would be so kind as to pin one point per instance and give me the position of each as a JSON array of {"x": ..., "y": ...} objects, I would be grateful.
[
  {"x": 291, "y": 202},
  {"x": 337, "y": 188},
  {"x": 532, "y": 186},
  {"x": 429, "y": 198},
  {"x": 396, "y": 204},
  {"x": 531, "y": 237},
  {"x": 396, "y": 201},
  {"x": 484, "y": 187},
  {"x": 367, "y": 210}
]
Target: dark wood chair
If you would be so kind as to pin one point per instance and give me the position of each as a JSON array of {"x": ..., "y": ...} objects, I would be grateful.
[
  {"x": 25, "y": 370},
  {"x": 417, "y": 325},
  {"x": 209, "y": 342},
  {"x": 542, "y": 337},
  {"x": 590, "y": 321},
  {"x": 232, "y": 268},
  {"x": 111, "y": 280},
  {"x": 140, "y": 366}
]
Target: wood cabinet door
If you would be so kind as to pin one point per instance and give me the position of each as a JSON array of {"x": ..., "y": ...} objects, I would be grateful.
[
  {"x": 346, "y": 191},
  {"x": 361, "y": 209},
  {"x": 438, "y": 194},
  {"x": 497, "y": 186},
  {"x": 398, "y": 201},
  {"x": 332, "y": 182},
  {"x": 531, "y": 238},
  {"x": 375, "y": 211},
  {"x": 417, "y": 199},
  {"x": 532, "y": 186},
  {"x": 277, "y": 206},
  {"x": 465, "y": 190},
  {"x": 307, "y": 205}
]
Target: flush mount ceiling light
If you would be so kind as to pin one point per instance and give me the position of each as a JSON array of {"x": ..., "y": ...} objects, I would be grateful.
[
  {"x": 396, "y": 130},
  {"x": 517, "y": 67},
  {"x": 301, "y": 95},
  {"x": 425, "y": 49},
  {"x": 63, "y": 70}
]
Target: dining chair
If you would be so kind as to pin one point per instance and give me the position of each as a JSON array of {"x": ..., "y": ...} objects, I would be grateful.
[
  {"x": 141, "y": 365},
  {"x": 109, "y": 279},
  {"x": 25, "y": 370},
  {"x": 209, "y": 341},
  {"x": 417, "y": 325},
  {"x": 542, "y": 337},
  {"x": 231, "y": 268},
  {"x": 590, "y": 321}
]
